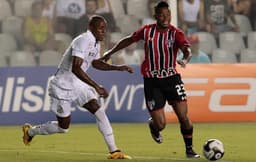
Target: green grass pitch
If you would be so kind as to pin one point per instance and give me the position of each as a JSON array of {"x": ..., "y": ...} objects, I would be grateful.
[{"x": 83, "y": 143}]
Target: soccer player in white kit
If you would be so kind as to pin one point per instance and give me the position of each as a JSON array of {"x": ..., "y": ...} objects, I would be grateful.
[{"x": 71, "y": 83}]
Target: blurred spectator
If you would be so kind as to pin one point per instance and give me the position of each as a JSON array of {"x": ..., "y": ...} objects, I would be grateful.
[
  {"x": 67, "y": 12},
  {"x": 191, "y": 15},
  {"x": 242, "y": 7},
  {"x": 38, "y": 31},
  {"x": 129, "y": 56},
  {"x": 11, "y": 2},
  {"x": 92, "y": 9},
  {"x": 49, "y": 10},
  {"x": 104, "y": 9},
  {"x": 218, "y": 12},
  {"x": 245, "y": 7},
  {"x": 198, "y": 56},
  {"x": 151, "y": 19},
  {"x": 253, "y": 14},
  {"x": 104, "y": 6},
  {"x": 82, "y": 22}
]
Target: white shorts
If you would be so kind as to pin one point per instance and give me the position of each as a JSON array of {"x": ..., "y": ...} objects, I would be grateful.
[{"x": 61, "y": 98}]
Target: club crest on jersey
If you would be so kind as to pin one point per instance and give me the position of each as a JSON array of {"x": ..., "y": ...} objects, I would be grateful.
[
  {"x": 92, "y": 54},
  {"x": 170, "y": 43}
]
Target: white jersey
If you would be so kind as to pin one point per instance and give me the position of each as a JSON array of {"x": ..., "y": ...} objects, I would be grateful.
[{"x": 83, "y": 46}]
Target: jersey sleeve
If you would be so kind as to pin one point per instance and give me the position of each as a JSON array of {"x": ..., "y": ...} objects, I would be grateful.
[
  {"x": 181, "y": 39},
  {"x": 79, "y": 48},
  {"x": 139, "y": 34}
]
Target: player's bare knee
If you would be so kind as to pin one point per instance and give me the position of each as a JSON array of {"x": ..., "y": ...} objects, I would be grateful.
[{"x": 92, "y": 106}]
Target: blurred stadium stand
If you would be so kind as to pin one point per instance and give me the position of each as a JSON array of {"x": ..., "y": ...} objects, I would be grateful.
[{"x": 228, "y": 47}]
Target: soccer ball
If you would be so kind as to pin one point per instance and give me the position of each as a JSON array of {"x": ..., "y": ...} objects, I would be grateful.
[{"x": 213, "y": 149}]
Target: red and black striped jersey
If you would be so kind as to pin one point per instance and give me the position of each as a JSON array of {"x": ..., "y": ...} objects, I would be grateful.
[{"x": 161, "y": 48}]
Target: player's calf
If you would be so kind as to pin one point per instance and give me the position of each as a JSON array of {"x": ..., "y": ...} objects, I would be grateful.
[{"x": 156, "y": 135}]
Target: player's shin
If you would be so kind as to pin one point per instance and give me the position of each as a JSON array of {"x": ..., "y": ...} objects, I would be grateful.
[
  {"x": 105, "y": 129},
  {"x": 50, "y": 127},
  {"x": 187, "y": 136}
]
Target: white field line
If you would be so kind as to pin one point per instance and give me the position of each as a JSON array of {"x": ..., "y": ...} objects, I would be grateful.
[
  {"x": 100, "y": 154},
  {"x": 94, "y": 154}
]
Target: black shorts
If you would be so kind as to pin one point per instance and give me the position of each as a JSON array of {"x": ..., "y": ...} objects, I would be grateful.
[{"x": 159, "y": 90}]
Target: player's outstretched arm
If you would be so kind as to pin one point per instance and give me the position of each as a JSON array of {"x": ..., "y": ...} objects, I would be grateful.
[
  {"x": 101, "y": 65},
  {"x": 78, "y": 71},
  {"x": 123, "y": 43}
]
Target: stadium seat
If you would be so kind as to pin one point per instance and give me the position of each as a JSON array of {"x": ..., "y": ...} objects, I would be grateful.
[
  {"x": 5, "y": 55},
  {"x": 207, "y": 42},
  {"x": 3, "y": 61},
  {"x": 22, "y": 8},
  {"x": 22, "y": 58},
  {"x": 232, "y": 42},
  {"x": 244, "y": 24},
  {"x": 12, "y": 25},
  {"x": 5, "y": 9},
  {"x": 223, "y": 56},
  {"x": 138, "y": 8},
  {"x": 7, "y": 42},
  {"x": 64, "y": 38},
  {"x": 49, "y": 58},
  {"x": 127, "y": 23},
  {"x": 248, "y": 56},
  {"x": 251, "y": 40}
]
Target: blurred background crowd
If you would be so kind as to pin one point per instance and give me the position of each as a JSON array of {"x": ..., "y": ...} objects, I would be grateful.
[{"x": 37, "y": 32}]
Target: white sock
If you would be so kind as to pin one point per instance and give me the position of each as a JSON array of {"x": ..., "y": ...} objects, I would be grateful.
[
  {"x": 105, "y": 129},
  {"x": 50, "y": 127}
]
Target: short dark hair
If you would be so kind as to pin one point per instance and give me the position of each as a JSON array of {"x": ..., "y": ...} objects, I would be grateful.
[
  {"x": 160, "y": 5},
  {"x": 95, "y": 19}
]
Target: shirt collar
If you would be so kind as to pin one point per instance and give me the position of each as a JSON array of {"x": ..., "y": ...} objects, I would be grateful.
[{"x": 92, "y": 37}]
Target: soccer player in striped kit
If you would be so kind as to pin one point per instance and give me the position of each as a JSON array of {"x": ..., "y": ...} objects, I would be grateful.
[{"x": 162, "y": 82}]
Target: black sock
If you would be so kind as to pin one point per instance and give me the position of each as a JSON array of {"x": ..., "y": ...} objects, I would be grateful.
[
  {"x": 188, "y": 142},
  {"x": 187, "y": 137}
]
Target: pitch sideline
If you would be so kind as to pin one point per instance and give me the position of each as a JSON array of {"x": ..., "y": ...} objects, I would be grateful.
[{"x": 94, "y": 154}]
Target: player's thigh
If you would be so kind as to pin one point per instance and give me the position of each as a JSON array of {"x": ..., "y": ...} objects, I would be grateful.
[
  {"x": 181, "y": 109},
  {"x": 158, "y": 117},
  {"x": 92, "y": 106}
]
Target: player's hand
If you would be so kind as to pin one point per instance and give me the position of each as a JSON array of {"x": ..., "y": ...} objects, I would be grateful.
[
  {"x": 182, "y": 63},
  {"x": 102, "y": 91},
  {"x": 125, "y": 68}
]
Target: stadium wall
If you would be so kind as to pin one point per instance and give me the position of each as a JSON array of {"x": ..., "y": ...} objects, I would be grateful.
[{"x": 216, "y": 93}]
